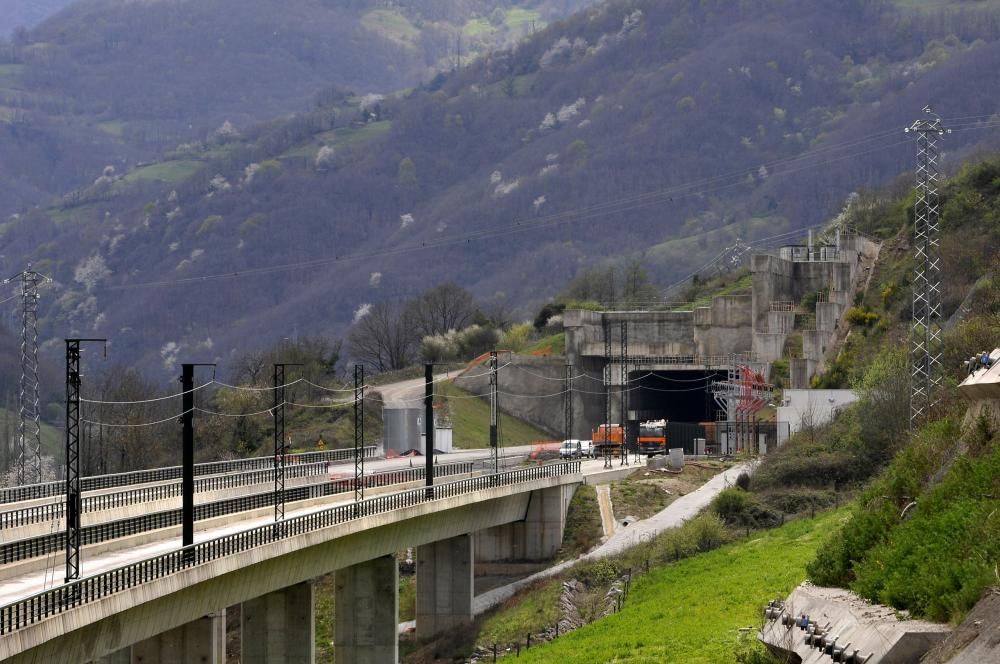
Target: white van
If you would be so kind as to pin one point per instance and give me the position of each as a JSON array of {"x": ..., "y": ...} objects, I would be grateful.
[{"x": 570, "y": 449}]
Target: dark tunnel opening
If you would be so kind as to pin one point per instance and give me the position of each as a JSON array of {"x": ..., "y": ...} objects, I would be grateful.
[{"x": 682, "y": 398}]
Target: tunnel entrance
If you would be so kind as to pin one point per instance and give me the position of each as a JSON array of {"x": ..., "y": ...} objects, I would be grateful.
[{"x": 682, "y": 397}]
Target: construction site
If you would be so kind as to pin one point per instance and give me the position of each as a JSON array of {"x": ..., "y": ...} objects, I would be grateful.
[{"x": 707, "y": 370}]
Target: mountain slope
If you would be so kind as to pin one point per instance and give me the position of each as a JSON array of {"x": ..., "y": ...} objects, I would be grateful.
[
  {"x": 116, "y": 82},
  {"x": 663, "y": 129},
  {"x": 27, "y": 13}
]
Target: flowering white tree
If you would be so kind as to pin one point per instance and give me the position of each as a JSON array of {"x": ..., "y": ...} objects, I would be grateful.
[
  {"x": 91, "y": 271},
  {"x": 219, "y": 183},
  {"x": 249, "y": 172},
  {"x": 324, "y": 158},
  {"x": 557, "y": 50},
  {"x": 630, "y": 23},
  {"x": 226, "y": 132},
  {"x": 362, "y": 311},
  {"x": 569, "y": 111}
]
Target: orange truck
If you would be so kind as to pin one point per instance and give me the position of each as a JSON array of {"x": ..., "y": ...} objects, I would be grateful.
[
  {"x": 604, "y": 436},
  {"x": 653, "y": 437}
]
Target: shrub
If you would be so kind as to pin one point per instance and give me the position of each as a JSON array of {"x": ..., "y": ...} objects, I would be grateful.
[
  {"x": 547, "y": 311},
  {"x": 516, "y": 337},
  {"x": 876, "y": 512},
  {"x": 599, "y": 574},
  {"x": 861, "y": 316},
  {"x": 798, "y": 500},
  {"x": 737, "y": 507}
]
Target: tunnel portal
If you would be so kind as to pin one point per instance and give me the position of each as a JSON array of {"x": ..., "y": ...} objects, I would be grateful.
[{"x": 681, "y": 397}]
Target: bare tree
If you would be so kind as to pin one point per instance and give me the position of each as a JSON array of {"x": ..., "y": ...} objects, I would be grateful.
[
  {"x": 443, "y": 308},
  {"x": 249, "y": 368},
  {"x": 129, "y": 445},
  {"x": 384, "y": 338}
]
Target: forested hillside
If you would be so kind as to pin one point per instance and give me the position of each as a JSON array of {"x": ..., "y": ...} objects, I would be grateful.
[
  {"x": 663, "y": 130},
  {"x": 27, "y": 13},
  {"x": 115, "y": 82}
]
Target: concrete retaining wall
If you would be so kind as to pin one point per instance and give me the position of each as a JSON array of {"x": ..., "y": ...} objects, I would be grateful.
[{"x": 529, "y": 376}]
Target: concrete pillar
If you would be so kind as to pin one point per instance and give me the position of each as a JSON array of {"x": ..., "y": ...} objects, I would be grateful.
[
  {"x": 123, "y": 656},
  {"x": 367, "y": 613},
  {"x": 279, "y": 627},
  {"x": 444, "y": 585},
  {"x": 199, "y": 641},
  {"x": 538, "y": 537}
]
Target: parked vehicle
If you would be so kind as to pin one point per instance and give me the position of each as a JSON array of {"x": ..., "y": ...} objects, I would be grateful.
[
  {"x": 586, "y": 448},
  {"x": 570, "y": 449},
  {"x": 652, "y": 437},
  {"x": 605, "y": 437}
]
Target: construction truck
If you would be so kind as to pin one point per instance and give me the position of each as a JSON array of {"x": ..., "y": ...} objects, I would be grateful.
[
  {"x": 652, "y": 437},
  {"x": 608, "y": 437}
]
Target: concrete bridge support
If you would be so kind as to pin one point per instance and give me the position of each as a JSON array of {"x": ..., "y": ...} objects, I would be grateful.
[
  {"x": 444, "y": 584},
  {"x": 123, "y": 656},
  {"x": 279, "y": 627},
  {"x": 538, "y": 537},
  {"x": 199, "y": 641},
  {"x": 367, "y": 613}
]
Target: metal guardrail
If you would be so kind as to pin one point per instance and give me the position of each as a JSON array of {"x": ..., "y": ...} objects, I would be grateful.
[
  {"x": 41, "y": 513},
  {"x": 94, "y": 482},
  {"x": 52, "y": 602},
  {"x": 32, "y": 547},
  {"x": 699, "y": 360}
]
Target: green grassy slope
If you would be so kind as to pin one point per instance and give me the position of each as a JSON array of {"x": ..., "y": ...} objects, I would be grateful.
[
  {"x": 53, "y": 439},
  {"x": 692, "y": 611},
  {"x": 470, "y": 417}
]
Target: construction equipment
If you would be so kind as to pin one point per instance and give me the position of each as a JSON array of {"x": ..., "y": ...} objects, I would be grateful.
[
  {"x": 652, "y": 437},
  {"x": 608, "y": 437}
]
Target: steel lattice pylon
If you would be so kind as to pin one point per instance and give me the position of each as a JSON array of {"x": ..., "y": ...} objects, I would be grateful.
[
  {"x": 494, "y": 412},
  {"x": 925, "y": 330},
  {"x": 568, "y": 403},
  {"x": 623, "y": 406},
  {"x": 29, "y": 430},
  {"x": 359, "y": 432},
  {"x": 606, "y": 325}
]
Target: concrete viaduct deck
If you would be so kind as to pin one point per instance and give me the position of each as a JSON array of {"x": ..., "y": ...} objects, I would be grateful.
[{"x": 171, "y": 607}]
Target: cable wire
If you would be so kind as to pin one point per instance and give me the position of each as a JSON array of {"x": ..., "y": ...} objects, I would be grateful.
[
  {"x": 259, "y": 412},
  {"x": 141, "y": 401},
  {"x": 257, "y": 389},
  {"x": 173, "y": 418}
]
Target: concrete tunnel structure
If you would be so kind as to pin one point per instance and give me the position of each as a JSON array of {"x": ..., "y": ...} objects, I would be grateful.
[
  {"x": 180, "y": 617},
  {"x": 673, "y": 355}
]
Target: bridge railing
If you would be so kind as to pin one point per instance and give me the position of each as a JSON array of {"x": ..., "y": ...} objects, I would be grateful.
[
  {"x": 52, "y": 602},
  {"x": 41, "y": 513},
  {"x": 41, "y": 545},
  {"x": 94, "y": 482}
]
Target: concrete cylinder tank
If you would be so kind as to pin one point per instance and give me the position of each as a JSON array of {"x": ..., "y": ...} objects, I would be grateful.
[{"x": 401, "y": 429}]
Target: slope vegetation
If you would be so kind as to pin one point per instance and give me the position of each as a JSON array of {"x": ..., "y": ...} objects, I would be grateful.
[
  {"x": 111, "y": 82},
  {"x": 693, "y": 611},
  {"x": 745, "y": 120}
]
